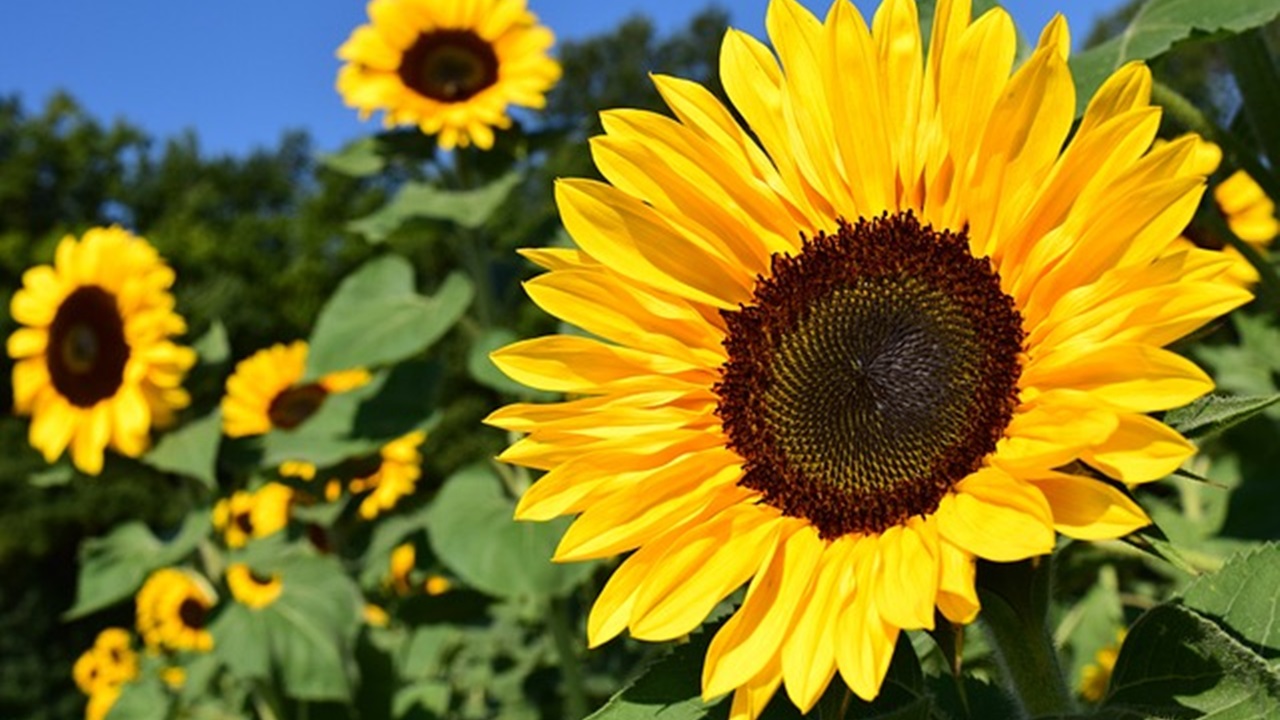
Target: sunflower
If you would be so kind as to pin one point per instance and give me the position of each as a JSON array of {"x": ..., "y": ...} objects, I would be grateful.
[
  {"x": 897, "y": 323},
  {"x": 264, "y": 392},
  {"x": 111, "y": 662},
  {"x": 1249, "y": 213},
  {"x": 248, "y": 515},
  {"x": 172, "y": 608},
  {"x": 101, "y": 702},
  {"x": 403, "y": 558},
  {"x": 251, "y": 589},
  {"x": 95, "y": 366},
  {"x": 451, "y": 68},
  {"x": 397, "y": 475},
  {"x": 1096, "y": 676}
]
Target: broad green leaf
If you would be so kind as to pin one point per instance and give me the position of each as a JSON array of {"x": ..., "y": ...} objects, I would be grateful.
[
  {"x": 1213, "y": 414},
  {"x": 55, "y": 475},
  {"x": 375, "y": 317},
  {"x": 424, "y": 654},
  {"x": 309, "y": 632},
  {"x": 482, "y": 369},
  {"x": 387, "y": 534},
  {"x": 1158, "y": 26},
  {"x": 213, "y": 347},
  {"x": 670, "y": 688},
  {"x": 359, "y": 158},
  {"x": 359, "y": 422},
  {"x": 1242, "y": 597},
  {"x": 113, "y": 567},
  {"x": 1176, "y": 663},
  {"x": 474, "y": 534},
  {"x": 142, "y": 699},
  {"x": 239, "y": 641},
  {"x": 430, "y": 695},
  {"x": 467, "y": 208},
  {"x": 191, "y": 450}
]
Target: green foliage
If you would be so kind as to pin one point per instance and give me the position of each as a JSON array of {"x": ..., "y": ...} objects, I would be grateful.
[
  {"x": 509, "y": 559},
  {"x": 114, "y": 566},
  {"x": 1213, "y": 414},
  {"x": 470, "y": 209},
  {"x": 376, "y": 318},
  {"x": 1156, "y": 26},
  {"x": 191, "y": 450}
]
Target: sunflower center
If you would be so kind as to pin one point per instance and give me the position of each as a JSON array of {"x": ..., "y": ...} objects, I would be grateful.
[
  {"x": 192, "y": 613},
  {"x": 291, "y": 407},
  {"x": 244, "y": 521},
  {"x": 449, "y": 65},
  {"x": 261, "y": 580},
  {"x": 87, "y": 348},
  {"x": 870, "y": 373}
]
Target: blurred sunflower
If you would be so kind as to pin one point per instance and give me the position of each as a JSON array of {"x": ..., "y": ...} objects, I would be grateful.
[
  {"x": 263, "y": 393},
  {"x": 111, "y": 662},
  {"x": 247, "y": 515},
  {"x": 397, "y": 475},
  {"x": 898, "y": 324},
  {"x": 1096, "y": 676},
  {"x": 1249, "y": 213},
  {"x": 95, "y": 364},
  {"x": 101, "y": 702},
  {"x": 403, "y": 558},
  {"x": 172, "y": 608},
  {"x": 451, "y": 68},
  {"x": 251, "y": 589}
]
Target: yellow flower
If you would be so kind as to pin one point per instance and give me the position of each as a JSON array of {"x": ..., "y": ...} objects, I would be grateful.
[
  {"x": 298, "y": 469},
  {"x": 840, "y": 353},
  {"x": 263, "y": 393},
  {"x": 172, "y": 608},
  {"x": 1249, "y": 213},
  {"x": 111, "y": 662},
  {"x": 451, "y": 68},
  {"x": 100, "y": 702},
  {"x": 437, "y": 585},
  {"x": 248, "y": 515},
  {"x": 402, "y": 561},
  {"x": 95, "y": 366},
  {"x": 1096, "y": 676},
  {"x": 175, "y": 677},
  {"x": 251, "y": 589},
  {"x": 397, "y": 475},
  {"x": 375, "y": 616}
]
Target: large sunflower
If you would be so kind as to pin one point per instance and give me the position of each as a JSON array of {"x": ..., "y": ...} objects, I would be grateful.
[
  {"x": 172, "y": 609},
  {"x": 95, "y": 364},
  {"x": 896, "y": 324},
  {"x": 264, "y": 392},
  {"x": 451, "y": 68}
]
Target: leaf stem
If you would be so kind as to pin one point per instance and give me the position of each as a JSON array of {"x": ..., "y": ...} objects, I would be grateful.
[
  {"x": 575, "y": 696},
  {"x": 1015, "y": 602}
]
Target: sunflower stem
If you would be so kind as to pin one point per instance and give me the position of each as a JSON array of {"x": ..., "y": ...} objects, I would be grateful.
[
  {"x": 1015, "y": 603},
  {"x": 575, "y": 696}
]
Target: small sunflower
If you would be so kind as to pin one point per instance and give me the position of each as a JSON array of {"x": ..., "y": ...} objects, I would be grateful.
[
  {"x": 1096, "y": 676},
  {"x": 396, "y": 477},
  {"x": 375, "y": 616},
  {"x": 95, "y": 366},
  {"x": 111, "y": 662},
  {"x": 437, "y": 585},
  {"x": 251, "y": 589},
  {"x": 402, "y": 562},
  {"x": 101, "y": 702},
  {"x": 911, "y": 316},
  {"x": 1249, "y": 213},
  {"x": 264, "y": 391},
  {"x": 248, "y": 515},
  {"x": 172, "y": 608},
  {"x": 451, "y": 68}
]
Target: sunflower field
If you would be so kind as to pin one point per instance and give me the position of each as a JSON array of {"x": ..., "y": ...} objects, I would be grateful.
[{"x": 909, "y": 365}]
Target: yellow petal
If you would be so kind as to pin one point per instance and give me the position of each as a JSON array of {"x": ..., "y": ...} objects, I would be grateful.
[
  {"x": 1131, "y": 376},
  {"x": 1141, "y": 449},
  {"x": 906, "y": 584},
  {"x": 570, "y": 363},
  {"x": 993, "y": 516},
  {"x": 1088, "y": 509},
  {"x": 750, "y": 699}
]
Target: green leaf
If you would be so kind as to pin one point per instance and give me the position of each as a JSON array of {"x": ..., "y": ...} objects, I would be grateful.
[
  {"x": 473, "y": 532},
  {"x": 375, "y": 317},
  {"x": 1213, "y": 414},
  {"x": 1242, "y": 597},
  {"x": 1158, "y": 26},
  {"x": 1176, "y": 663},
  {"x": 309, "y": 632},
  {"x": 387, "y": 534},
  {"x": 359, "y": 158},
  {"x": 669, "y": 689},
  {"x": 191, "y": 450},
  {"x": 424, "y": 654},
  {"x": 213, "y": 347},
  {"x": 466, "y": 208},
  {"x": 1255, "y": 72},
  {"x": 142, "y": 699},
  {"x": 113, "y": 567},
  {"x": 239, "y": 641},
  {"x": 430, "y": 695},
  {"x": 482, "y": 369},
  {"x": 53, "y": 476}
]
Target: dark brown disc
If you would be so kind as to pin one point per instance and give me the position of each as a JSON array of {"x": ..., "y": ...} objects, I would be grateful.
[
  {"x": 449, "y": 65},
  {"x": 87, "y": 350}
]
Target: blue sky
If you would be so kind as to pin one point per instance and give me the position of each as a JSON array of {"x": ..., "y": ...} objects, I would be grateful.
[{"x": 241, "y": 72}]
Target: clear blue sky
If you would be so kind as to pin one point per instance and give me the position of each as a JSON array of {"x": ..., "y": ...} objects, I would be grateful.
[{"x": 240, "y": 72}]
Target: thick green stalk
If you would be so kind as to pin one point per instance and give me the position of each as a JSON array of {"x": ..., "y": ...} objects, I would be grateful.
[{"x": 1015, "y": 603}]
